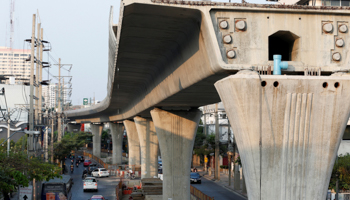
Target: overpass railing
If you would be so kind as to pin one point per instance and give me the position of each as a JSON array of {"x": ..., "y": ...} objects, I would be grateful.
[{"x": 199, "y": 194}]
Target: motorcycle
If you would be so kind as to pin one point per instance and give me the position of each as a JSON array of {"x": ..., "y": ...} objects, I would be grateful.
[
  {"x": 130, "y": 175},
  {"x": 77, "y": 164},
  {"x": 84, "y": 176},
  {"x": 71, "y": 169}
]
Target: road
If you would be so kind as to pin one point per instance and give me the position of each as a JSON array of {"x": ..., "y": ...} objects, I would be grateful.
[
  {"x": 218, "y": 192},
  {"x": 106, "y": 186}
]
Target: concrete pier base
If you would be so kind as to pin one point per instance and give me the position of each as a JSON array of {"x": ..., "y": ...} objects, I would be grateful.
[
  {"x": 117, "y": 130},
  {"x": 133, "y": 144},
  {"x": 96, "y": 130},
  {"x": 176, "y": 132},
  {"x": 149, "y": 147},
  {"x": 288, "y": 130}
]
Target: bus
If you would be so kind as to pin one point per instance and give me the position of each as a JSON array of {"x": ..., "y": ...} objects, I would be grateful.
[{"x": 57, "y": 188}]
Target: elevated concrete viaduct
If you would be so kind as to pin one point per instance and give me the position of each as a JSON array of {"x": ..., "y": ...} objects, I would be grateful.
[{"x": 165, "y": 56}]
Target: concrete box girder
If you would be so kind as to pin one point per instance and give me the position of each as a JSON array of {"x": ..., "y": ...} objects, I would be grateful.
[{"x": 166, "y": 49}]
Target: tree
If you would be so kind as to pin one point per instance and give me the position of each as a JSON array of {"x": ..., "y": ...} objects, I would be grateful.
[
  {"x": 17, "y": 170},
  {"x": 70, "y": 141},
  {"x": 205, "y": 145},
  {"x": 104, "y": 138},
  {"x": 342, "y": 169}
]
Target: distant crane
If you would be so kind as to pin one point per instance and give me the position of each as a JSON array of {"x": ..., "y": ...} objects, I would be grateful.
[{"x": 12, "y": 10}]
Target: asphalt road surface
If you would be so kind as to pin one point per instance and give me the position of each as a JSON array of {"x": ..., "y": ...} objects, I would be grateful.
[
  {"x": 218, "y": 192},
  {"x": 106, "y": 185}
]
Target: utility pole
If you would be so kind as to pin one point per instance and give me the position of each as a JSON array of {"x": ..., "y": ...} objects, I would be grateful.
[
  {"x": 31, "y": 99},
  {"x": 41, "y": 77},
  {"x": 52, "y": 134},
  {"x": 8, "y": 130},
  {"x": 229, "y": 154},
  {"x": 62, "y": 106},
  {"x": 59, "y": 131},
  {"x": 47, "y": 138},
  {"x": 217, "y": 141},
  {"x": 37, "y": 75},
  {"x": 205, "y": 121}
]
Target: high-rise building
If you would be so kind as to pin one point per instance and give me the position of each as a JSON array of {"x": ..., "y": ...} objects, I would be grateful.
[
  {"x": 315, "y": 2},
  {"x": 50, "y": 94},
  {"x": 12, "y": 63}
]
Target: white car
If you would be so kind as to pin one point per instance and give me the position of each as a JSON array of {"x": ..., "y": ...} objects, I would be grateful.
[
  {"x": 90, "y": 183},
  {"x": 100, "y": 172}
]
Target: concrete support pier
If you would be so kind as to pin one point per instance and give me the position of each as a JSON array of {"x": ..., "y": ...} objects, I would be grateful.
[
  {"x": 96, "y": 130},
  {"x": 133, "y": 144},
  {"x": 176, "y": 132},
  {"x": 117, "y": 130},
  {"x": 149, "y": 147},
  {"x": 288, "y": 130}
]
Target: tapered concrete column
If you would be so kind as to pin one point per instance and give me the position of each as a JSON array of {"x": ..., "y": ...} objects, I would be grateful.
[
  {"x": 96, "y": 130},
  {"x": 117, "y": 130},
  {"x": 176, "y": 132},
  {"x": 133, "y": 143},
  {"x": 288, "y": 130},
  {"x": 149, "y": 147}
]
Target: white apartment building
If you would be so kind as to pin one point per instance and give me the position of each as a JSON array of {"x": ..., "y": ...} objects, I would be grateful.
[
  {"x": 208, "y": 119},
  {"x": 50, "y": 94},
  {"x": 12, "y": 63},
  {"x": 315, "y": 2}
]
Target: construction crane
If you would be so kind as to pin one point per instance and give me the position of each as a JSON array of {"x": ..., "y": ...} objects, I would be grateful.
[{"x": 12, "y": 10}]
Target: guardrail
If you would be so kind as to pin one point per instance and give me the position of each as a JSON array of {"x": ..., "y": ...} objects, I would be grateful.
[{"x": 199, "y": 194}]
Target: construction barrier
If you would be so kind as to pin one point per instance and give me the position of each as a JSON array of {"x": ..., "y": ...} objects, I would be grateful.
[
  {"x": 114, "y": 169},
  {"x": 199, "y": 194},
  {"x": 119, "y": 190}
]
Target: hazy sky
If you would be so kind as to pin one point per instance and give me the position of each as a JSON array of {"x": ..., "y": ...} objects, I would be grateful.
[{"x": 78, "y": 32}]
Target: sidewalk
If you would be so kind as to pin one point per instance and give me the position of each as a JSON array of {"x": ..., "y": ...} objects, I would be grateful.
[{"x": 223, "y": 182}]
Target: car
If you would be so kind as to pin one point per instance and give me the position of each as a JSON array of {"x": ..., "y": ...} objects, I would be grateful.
[
  {"x": 92, "y": 167},
  {"x": 100, "y": 172},
  {"x": 195, "y": 177},
  {"x": 87, "y": 163},
  {"x": 90, "y": 183},
  {"x": 97, "y": 197}
]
